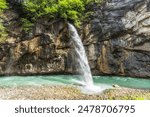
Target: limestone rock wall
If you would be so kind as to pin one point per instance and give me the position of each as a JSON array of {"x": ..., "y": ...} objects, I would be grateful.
[{"x": 43, "y": 51}]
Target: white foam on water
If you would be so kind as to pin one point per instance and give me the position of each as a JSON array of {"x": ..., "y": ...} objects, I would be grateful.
[{"x": 95, "y": 88}]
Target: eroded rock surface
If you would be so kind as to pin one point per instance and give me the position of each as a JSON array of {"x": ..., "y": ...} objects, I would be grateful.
[{"x": 120, "y": 32}]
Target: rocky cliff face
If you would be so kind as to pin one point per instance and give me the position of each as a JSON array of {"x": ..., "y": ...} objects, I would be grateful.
[
  {"x": 35, "y": 54},
  {"x": 121, "y": 31},
  {"x": 116, "y": 41}
]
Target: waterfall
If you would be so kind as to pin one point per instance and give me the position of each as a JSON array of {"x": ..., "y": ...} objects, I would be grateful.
[{"x": 81, "y": 57}]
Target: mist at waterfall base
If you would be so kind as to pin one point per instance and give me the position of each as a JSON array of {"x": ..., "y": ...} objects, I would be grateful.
[{"x": 82, "y": 61}]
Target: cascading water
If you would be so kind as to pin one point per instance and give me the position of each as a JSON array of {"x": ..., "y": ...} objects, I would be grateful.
[
  {"x": 83, "y": 63},
  {"x": 81, "y": 56}
]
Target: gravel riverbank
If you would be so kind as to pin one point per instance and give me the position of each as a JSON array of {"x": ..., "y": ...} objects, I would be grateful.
[{"x": 70, "y": 93}]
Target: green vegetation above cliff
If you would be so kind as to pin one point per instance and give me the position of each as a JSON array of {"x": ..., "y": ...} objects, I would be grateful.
[
  {"x": 65, "y": 9},
  {"x": 72, "y": 10},
  {"x": 3, "y": 33},
  {"x": 3, "y": 5}
]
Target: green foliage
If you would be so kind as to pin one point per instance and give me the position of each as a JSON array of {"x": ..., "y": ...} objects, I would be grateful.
[
  {"x": 26, "y": 25},
  {"x": 3, "y": 31},
  {"x": 132, "y": 97},
  {"x": 3, "y": 5},
  {"x": 73, "y": 10},
  {"x": 111, "y": 94}
]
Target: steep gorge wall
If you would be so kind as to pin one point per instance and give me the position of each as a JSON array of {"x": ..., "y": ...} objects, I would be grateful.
[
  {"x": 121, "y": 30},
  {"x": 116, "y": 41}
]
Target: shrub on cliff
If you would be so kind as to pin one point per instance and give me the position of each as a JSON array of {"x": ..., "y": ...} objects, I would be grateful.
[
  {"x": 3, "y": 32},
  {"x": 73, "y": 10},
  {"x": 64, "y": 9},
  {"x": 68, "y": 10},
  {"x": 3, "y": 5}
]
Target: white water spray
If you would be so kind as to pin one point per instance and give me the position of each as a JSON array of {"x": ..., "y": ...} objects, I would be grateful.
[
  {"x": 81, "y": 56},
  {"x": 83, "y": 63}
]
